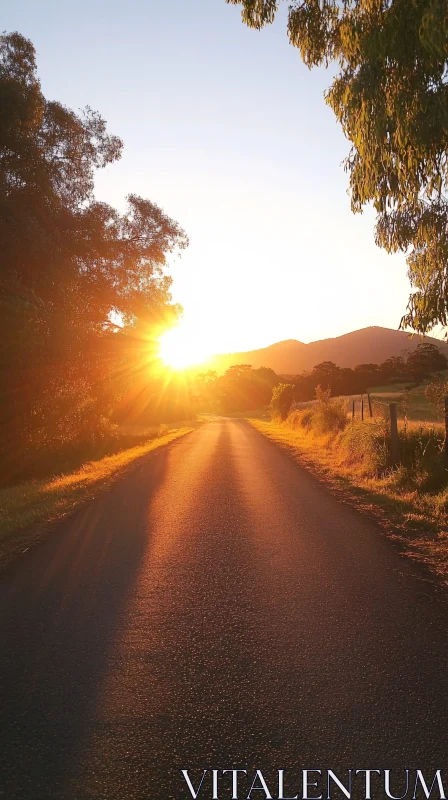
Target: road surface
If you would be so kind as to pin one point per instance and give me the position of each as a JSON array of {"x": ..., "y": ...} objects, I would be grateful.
[{"x": 218, "y": 608}]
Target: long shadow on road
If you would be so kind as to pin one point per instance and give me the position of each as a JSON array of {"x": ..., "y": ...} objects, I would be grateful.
[
  {"x": 217, "y": 608},
  {"x": 59, "y": 610}
]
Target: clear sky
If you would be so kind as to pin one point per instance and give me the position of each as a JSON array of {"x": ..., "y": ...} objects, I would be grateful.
[{"x": 228, "y": 131}]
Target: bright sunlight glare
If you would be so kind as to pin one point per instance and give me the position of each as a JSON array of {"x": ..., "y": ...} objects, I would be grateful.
[{"x": 181, "y": 348}]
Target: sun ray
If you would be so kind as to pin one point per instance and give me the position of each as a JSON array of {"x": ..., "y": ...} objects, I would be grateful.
[{"x": 181, "y": 348}]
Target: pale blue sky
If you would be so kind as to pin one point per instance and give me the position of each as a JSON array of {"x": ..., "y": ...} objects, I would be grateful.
[{"x": 227, "y": 130}]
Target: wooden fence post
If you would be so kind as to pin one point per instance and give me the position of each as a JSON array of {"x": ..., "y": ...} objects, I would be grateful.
[
  {"x": 353, "y": 409},
  {"x": 446, "y": 432},
  {"x": 362, "y": 409},
  {"x": 394, "y": 441},
  {"x": 370, "y": 406}
]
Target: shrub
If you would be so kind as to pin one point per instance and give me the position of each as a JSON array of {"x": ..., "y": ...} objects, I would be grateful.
[
  {"x": 435, "y": 393},
  {"x": 300, "y": 418},
  {"x": 282, "y": 399},
  {"x": 369, "y": 447},
  {"x": 294, "y": 419},
  {"x": 366, "y": 445},
  {"x": 329, "y": 415},
  {"x": 307, "y": 418},
  {"x": 163, "y": 430},
  {"x": 326, "y": 415},
  {"x": 421, "y": 450}
]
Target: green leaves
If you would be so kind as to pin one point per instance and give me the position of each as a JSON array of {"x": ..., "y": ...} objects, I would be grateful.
[
  {"x": 257, "y": 13},
  {"x": 67, "y": 263},
  {"x": 391, "y": 98}
]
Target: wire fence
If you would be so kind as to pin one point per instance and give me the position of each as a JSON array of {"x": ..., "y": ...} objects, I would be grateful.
[
  {"x": 393, "y": 414},
  {"x": 367, "y": 407}
]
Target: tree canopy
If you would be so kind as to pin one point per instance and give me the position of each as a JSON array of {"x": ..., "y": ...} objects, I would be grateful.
[
  {"x": 83, "y": 287},
  {"x": 240, "y": 388},
  {"x": 390, "y": 95}
]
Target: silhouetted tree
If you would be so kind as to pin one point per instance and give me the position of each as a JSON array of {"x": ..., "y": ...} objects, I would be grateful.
[
  {"x": 242, "y": 388},
  {"x": 426, "y": 358},
  {"x": 82, "y": 286},
  {"x": 282, "y": 400},
  {"x": 393, "y": 367},
  {"x": 365, "y": 375}
]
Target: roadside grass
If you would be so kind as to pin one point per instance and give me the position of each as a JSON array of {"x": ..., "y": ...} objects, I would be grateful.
[
  {"x": 411, "y": 400},
  {"x": 35, "y": 503},
  {"x": 410, "y": 502},
  {"x": 44, "y": 462}
]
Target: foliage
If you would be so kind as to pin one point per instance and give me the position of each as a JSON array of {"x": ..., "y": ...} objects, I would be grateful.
[
  {"x": 327, "y": 416},
  {"x": 83, "y": 288},
  {"x": 304, "y": 419},
  {"x": 282, "y": 399},
  {"x": 241, "y": 388},
  {"x": 390, "y": 95},
  {"x": 393, "y": 368},
  {"x": 330, "y": 414},
  {"x": 29, "y": 503},
  {"x": 426, "y": 358},
  {"x": 367, "y": 447},
  {"x": 436, "y": 391},
  {"x": 412, "y": 367},
  {"x": 422, "y": 458}
]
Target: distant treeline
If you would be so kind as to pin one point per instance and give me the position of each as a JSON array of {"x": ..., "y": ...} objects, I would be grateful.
[
  {"x": 242, "y": 388},
  {"x": 412, "y": 367}
]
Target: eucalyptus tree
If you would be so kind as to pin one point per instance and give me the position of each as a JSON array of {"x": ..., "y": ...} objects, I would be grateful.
[{"x": 390, "y": 95}]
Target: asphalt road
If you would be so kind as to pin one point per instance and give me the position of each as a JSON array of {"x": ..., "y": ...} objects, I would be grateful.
[{"x": 217, "y": 607}]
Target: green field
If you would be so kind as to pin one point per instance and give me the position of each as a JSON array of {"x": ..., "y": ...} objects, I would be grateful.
[{"x": 411, "y": 401}]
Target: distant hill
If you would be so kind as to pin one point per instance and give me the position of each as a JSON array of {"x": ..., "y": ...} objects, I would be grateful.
[{"x": 369, "y": 345}]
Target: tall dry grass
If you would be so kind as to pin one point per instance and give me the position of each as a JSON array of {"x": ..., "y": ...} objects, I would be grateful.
[
  {"x": 42, "y": 501},
  {"x": 365, "y": 447}
]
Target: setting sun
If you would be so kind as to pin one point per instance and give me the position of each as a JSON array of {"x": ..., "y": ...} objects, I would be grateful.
[{"x": 181, "y": 348}]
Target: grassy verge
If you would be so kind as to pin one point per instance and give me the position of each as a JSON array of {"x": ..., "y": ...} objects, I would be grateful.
[
  {"x": 409, "y": 502},
  {"x": 25, "y": 509}
]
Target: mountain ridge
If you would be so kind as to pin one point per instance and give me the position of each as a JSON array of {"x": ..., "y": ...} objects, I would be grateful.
[{"x": 373, "y": 344}]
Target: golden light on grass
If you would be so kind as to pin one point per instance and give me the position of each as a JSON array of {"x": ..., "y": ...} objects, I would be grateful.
[
  {"x": 45, "y": 500},
  {"x": 181, "y": 348}
]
